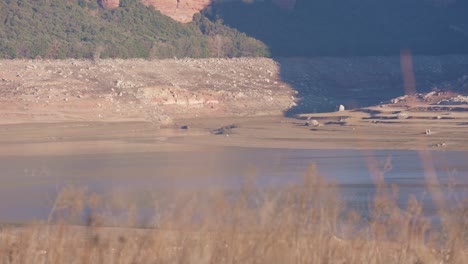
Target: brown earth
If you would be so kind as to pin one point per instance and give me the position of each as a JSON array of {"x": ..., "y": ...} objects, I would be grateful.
[
  {"x": 139, "y": 90},
  {"x": 75, "y": 106},
  {"x": 365, "y": 128},
  {"x": 183, "y": 10},
  {"x": 180, "y": 10},
  {"x": 110, "y": 4}
]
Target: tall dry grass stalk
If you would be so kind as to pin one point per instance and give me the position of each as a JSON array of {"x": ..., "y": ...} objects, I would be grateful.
[{"x": 301, "y": 223}]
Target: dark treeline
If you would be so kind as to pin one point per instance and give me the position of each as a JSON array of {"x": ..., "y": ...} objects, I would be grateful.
[
  {"x": 350, "y": 27},
  {"x": 82, "y": 29}
]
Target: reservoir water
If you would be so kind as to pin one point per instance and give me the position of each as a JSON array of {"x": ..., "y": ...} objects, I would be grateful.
[{"x": 30, "y": 184}]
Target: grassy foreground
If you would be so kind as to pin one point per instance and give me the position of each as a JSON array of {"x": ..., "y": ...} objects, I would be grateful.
[{"x": 302, "y": 223}]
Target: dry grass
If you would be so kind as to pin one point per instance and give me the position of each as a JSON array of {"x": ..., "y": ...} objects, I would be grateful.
[{"x": 303, "y": 223}]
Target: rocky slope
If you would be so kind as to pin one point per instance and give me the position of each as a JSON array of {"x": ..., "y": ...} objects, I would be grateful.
[
  {"x": 161, "y": 91},
  {"x": 110, "y": 4},
  {"x": 183, "y": 10},
  {"x": 156, "y": 91},
  {"x": 180, "y": 10}
]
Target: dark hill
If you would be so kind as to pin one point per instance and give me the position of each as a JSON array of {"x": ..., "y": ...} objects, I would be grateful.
[{"x": 351, "y": 27}]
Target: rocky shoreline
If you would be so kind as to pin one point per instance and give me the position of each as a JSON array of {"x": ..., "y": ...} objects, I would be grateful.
[
  {"x": 177, "y": 92},
  {"x": 140, "y": 90}
]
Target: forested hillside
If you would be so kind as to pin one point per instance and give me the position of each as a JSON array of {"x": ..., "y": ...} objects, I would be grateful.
[{"x": 83, "y": 29}]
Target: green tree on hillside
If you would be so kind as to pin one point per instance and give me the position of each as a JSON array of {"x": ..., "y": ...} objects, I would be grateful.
[{"x": 81, "y": 29}]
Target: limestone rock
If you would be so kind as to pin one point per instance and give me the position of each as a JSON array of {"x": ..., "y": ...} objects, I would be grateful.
[
  {"x": 313, "y": 123},
  {"x": 180, "y": 10},
  {"x": 109, "y": 4},
  {"x": 402, "y": 115},
  {"x": 183, "y": 10}
]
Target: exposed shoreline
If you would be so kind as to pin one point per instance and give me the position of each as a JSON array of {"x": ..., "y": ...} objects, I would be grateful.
[
  {"x": 114, "y": 106},
  {"x": 365, "y": 128}
]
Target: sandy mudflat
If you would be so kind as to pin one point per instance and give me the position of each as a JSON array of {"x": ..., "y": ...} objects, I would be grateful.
[{"x": 368, "y": 128}]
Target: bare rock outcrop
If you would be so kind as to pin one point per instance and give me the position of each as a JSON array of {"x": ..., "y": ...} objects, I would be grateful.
[
  {"x": 109, "y": 4},
  {"x": 180, "y": 10},
  {"x": 183, "y": 10}
]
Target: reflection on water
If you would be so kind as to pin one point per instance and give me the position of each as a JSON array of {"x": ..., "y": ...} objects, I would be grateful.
[{"x": 30, "y": 184}]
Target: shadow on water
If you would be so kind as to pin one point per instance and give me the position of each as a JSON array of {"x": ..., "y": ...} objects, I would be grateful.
[
  {"x": 325, "y": 83},
  {"x": 348, "y": 52}
]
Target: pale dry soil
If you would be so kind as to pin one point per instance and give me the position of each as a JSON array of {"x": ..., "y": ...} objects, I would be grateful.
[
  {"x": 139, "y": 90},
  {"x": 368, "y": 128}
]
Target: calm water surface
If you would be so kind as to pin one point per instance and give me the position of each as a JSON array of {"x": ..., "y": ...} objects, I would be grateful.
[{"x": 29, "y": 185}]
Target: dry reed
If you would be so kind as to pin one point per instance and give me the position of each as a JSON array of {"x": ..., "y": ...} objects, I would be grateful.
[{"x": 302, "y": 223}]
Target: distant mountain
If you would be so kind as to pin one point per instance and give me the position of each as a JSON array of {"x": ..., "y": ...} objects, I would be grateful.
[
  {"x": 112, "y": 28},
  {"x": 349, "y": 27}
]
